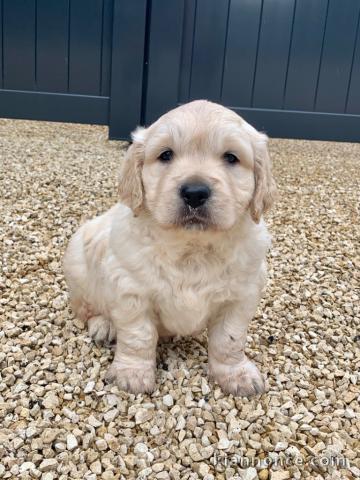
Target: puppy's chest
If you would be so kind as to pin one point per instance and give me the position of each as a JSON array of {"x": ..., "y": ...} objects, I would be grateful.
[{"x": 186, "y": 296}]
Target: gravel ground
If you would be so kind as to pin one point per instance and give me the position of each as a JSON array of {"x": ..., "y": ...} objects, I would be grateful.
[{"x": 60, "y": 420}]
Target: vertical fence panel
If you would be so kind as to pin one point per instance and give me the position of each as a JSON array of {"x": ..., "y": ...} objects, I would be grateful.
[
  {"x": 52, "y": 45},
  {"x": 305, "y": 55},
  {"x": 337, "y": 57},
  {"x": 164, "y": 57},
  {"x": 353, "y": 100},
  {"x": 19, "y": 31},
  {"x": 85, "y": 46},
  {"x": 273, "y": 52},
  {"x": 244, "y": 22},
  {"x": 127, "y": 64},
  {"x": 186, "y": 50},
  {"x": 209, "y": 49},
  {"x": 106, "y": 47},
  {"x": 1, "y": 45}
]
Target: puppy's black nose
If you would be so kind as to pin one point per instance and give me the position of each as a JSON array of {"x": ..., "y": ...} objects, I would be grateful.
[{"x": 195, "y": 194}]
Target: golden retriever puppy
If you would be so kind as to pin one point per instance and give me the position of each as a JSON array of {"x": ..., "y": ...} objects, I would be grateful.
[{"x": 183, "y": 251}]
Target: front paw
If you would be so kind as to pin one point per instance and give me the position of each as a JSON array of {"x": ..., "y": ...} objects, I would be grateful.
[
  {"x": 242, "y": 379},
  {"x": 101, "y": 329},
  {"x": 133, "y": 380}
]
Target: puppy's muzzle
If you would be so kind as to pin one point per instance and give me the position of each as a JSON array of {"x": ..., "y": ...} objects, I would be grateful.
[{"x": 194, "y": 194}]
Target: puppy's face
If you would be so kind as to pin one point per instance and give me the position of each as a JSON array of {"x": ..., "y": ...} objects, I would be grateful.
[{"x": 196, "y": 167}]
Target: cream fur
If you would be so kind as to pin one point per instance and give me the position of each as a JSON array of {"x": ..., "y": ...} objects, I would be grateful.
[{"x": 135, "y": 273}]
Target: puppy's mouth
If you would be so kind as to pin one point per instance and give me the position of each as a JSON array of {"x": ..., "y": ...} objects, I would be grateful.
[{"x": 193, "y": 218}]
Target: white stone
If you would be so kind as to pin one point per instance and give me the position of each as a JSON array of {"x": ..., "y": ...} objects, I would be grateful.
[
  {"x": 89, "y": 387},
  {"x": 48, "y": 464},
  {"x": 101, "y": 444},
  {"x": 59, "y": 303},
  {"x": 108, "y": 475},
  {"x": 223, "y": 443},
  {"x": 145, "y": 472},
  {"x": 158, "y": 467},
  {"x": 95, "y": 467},
  {"x": 94, "y": 422},
  {"x": 26, "y": 466},
  {"x": 155, "y": 430},
  {"x": 47, "y": 476},
  {"x": 18, "y": 442},
  {"x": 355, "y": 471},
  {"x": 30, "y": 432},
  {"x": 71, "y": 442},
  {"x": 254, "y": 444},
  {"x": 280, "y": 475},
  {"x": 293, "y": 451},
  {"x": 50, "y": 400},
  {"x": 168, "y": 400},
  {"x": 349, "y": 413},
  {"x": 140, "y": 449},
  {"x": 207, "y": 452},
  {"x": 249, "y": 474},
  {"x": 320, "y": 395},
  {"x": 162, "y": 476},
  {"x": 281, "y": 446},
  {"x": 180, "y": 423},
  {"x": 205, "y": 389},
  {"x": 194, "y": 453},
  {"x": 110, "y": 415},
  {"x": 143, "y": 415},
  {"x": 60, "y": 447},
  {"x": 71, "y": 415}
]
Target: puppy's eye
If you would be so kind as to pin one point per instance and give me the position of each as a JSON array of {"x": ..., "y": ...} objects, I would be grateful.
[
  {"x": 166, "y": 156},
  {"x": 230, "y": 158}
]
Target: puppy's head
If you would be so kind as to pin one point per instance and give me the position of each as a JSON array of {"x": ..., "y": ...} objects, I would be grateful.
[{"x": 200, "y": 166}]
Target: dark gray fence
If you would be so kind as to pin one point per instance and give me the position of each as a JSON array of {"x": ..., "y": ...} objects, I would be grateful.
[
  {"x": 56, "y": 59},
  {"x": 290, "y": 67}
]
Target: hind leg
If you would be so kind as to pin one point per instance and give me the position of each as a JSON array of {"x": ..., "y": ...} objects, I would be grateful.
[{"x": 77, "y": 277}]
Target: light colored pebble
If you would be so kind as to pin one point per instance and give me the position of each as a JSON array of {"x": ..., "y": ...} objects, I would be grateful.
[
  {"x": 223, "y": 444},
  {"x": 281, "y": 446},
  {"x": 50, "y": 400},
  {"x": 168, "y": 400},
  {"x": 279, "y": 475},
  {"x": 101, "y": 444},
  {"x": 27, "y": 466},
  {"x": 108, "y": 475},
  {"x": 249, "y": 474},
  {"x": 143, "y": 415},
  {"x": 31, "y": 432},
  {"x": 89, "y": 387},
  {"x": 110, "y": 415},
  {"x": 158, "y": 467},
  {"x": 47, "y": 476},
  {"x": 48, "y": 464},
  {"x": 71, "y": 442},
  {"x": 162, "y": 476},
  {"x": 96, "y": 468},
  {"x": 71, "y": 415},
  {"x": 93, "y": 421}
]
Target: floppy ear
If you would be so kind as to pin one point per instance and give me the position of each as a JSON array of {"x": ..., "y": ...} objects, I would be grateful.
[
  {"x": 131, "y": 190},
  {"x": 265, "y": 188}
]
